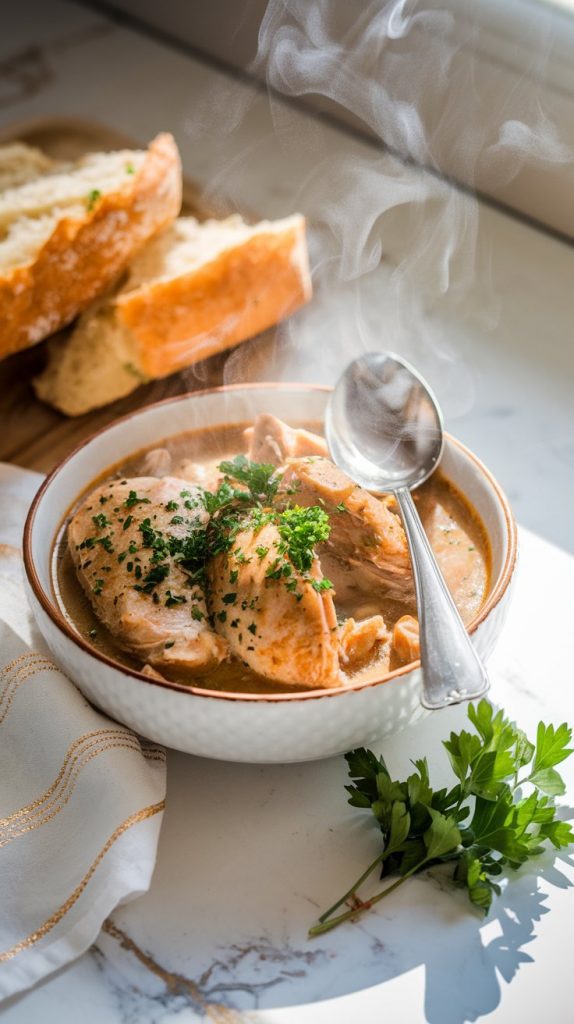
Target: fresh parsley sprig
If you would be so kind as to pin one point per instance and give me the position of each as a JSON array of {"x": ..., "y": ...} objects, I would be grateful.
[{"x": 483, "y": 824}]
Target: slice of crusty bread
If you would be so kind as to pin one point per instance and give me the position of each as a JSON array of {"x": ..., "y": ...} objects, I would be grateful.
[
  {"x": 67, "y": 234},
  {"x": 196, "y": 289},
  {"x": 20, "y": 163}
]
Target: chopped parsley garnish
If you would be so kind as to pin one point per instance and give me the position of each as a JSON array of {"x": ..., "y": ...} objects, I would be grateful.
[
  {"x": 133, "y": 499},
  {"x": 224, "y": 495},
  {"x": 300, "y": 529},
  {"x": 98, "y": 587},
  {"x": 91, "y": 199},
  {"x": 320, "y": 585},
  {"x": 291, "y": 586},
  {"x": 157, "y": 574},
  {"x": 241, "y": 502},
  {"x": 275, "y": 570},
  {"x": 234, "y": 510},
  {"x": 260, "y": 478}
]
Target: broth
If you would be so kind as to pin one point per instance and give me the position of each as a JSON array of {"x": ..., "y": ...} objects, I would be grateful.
[{"x": 454, "y": 529}]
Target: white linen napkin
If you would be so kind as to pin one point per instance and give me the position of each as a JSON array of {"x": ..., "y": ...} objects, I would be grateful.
[{"x": 81, "y": 797}]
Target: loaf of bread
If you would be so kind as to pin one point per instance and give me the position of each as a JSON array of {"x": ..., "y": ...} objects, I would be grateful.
[
  {"x": 195, "y": 289},
  {"x": 67, "y": 233}
]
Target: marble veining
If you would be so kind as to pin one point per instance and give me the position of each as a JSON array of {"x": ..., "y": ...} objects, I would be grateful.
[
  {"x": 237, "y": 976},
  {"x": 244, "y": 978}
]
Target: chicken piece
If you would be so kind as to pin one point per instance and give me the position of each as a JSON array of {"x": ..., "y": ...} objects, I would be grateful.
[
  {"x": 406, "y": 640},
  {"x": 120, "y": 540},
  {"x": 365, "y": 535},
  {"x": 203, "y": 474},
  {"x": 152, "y": 673},
  {"x": 282, "y": 628},
  {"x": 272, "y": 441},
  {"x": 359, "y": 642}
]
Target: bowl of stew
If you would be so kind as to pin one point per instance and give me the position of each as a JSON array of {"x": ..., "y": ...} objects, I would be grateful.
[{"x": 206, "y": 576}]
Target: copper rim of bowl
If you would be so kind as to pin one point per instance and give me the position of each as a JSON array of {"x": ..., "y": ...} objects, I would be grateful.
[{"x": 58, "y": 619}]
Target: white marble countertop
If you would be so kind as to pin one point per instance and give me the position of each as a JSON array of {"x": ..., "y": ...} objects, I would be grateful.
[{"x": 236, "y": 888}]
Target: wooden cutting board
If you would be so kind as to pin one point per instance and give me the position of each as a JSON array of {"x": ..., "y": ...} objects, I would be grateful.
[{"x": 31, "y": 433}]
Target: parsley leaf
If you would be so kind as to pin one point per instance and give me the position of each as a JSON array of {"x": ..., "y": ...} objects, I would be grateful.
[
  {"x": 441, "y": 837},
  {"x": 551, "y": 749}
]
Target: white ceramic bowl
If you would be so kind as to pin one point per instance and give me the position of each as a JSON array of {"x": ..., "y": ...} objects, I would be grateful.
[{"x": 243, "y": 727}]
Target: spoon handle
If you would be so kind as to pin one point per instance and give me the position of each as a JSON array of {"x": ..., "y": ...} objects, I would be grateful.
[{"x": 452, "y": 670}]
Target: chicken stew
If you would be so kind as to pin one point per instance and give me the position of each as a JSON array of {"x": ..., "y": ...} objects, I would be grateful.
[{"x": 241, "y": 559}]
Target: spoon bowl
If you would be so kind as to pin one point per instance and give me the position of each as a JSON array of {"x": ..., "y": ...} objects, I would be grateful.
[
  {"x": 384, "y": 423},
  {"x": 384, "y": 428}
]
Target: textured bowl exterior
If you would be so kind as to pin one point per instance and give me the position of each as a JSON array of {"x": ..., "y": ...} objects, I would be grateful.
[{"x": 250, "y": 728}]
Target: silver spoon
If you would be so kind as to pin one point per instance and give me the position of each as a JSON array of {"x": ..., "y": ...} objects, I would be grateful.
[{"x": 384, "y": 429}]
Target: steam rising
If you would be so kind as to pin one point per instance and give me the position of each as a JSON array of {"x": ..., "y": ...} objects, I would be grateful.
[{"x": 394, "y": 249}]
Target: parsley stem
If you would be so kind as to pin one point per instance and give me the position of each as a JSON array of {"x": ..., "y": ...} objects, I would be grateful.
[
  {"x": 326, "y": 926},
  {"x": 462, "y": 797},
  {"x": 351, "y": 892},
  {"x": 518, "y": 783}
]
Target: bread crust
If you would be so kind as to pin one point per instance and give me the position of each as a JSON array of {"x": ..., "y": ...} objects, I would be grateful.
[
  {"x": 239, "y": 293},
  {"x": 83, "y": 256}
]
